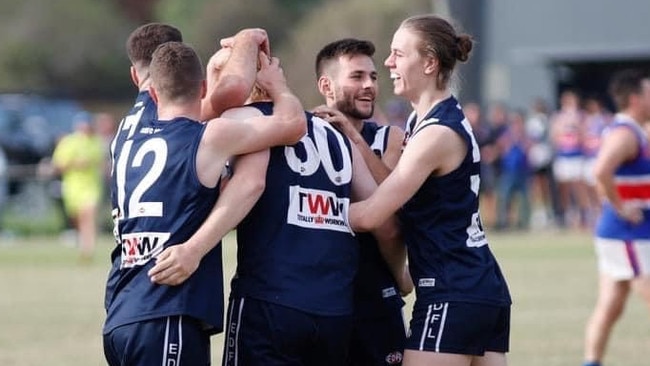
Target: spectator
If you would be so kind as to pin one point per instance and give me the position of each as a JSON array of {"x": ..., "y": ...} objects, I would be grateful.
[
  {"x": 540, "y": 160},
  {"x": 79, "y": 158},
  {"x": 3, "y": 184},
  {"x": 106, "y": 126},
  {"x": 489, "y": 152},
  {"x": 596, "y": 119},
  {"x": 514, "y": 146},
  {"x": 568, "y": 163},
  {"x": 397, "y": 112},
  {"x": 498, "y": 122}
]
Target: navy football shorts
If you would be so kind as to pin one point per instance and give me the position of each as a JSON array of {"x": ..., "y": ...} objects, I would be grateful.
[
  {"x": 173, "y": 340},
  {"x": 260, "y": 333},
  {"x": 379, "y": 340},
  {"x": 460, "y": 328}
]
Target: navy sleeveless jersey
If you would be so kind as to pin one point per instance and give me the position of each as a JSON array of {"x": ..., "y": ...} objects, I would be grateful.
[
  {"x": 449, "y": 256},
  {"x": 159, "y": 201},
  {"x": 295, "y": 247},
  {"x": 375, "y": 291},
  {"x": 143, "y": 113}
]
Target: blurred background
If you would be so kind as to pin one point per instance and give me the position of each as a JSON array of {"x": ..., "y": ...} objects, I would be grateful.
[
  {"x": 64, "y": 61},
  {"x": 58, "y": 58}
]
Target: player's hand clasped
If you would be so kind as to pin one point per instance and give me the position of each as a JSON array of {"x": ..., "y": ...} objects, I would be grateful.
[
  {"x": 174, "y": 265},
  {"x": 632, "y": 214},
  {"x": 256, "y": 36},
  {"x": 270, "y": 77}
]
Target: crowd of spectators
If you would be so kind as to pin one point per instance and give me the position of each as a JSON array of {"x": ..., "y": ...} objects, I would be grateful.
[{"x": 536, "y": 163}]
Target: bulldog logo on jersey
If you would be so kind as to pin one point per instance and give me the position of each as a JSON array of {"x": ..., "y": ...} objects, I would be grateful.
[
  {"x": 139, "y": 248},
  {"x": 317, "y": 209}
]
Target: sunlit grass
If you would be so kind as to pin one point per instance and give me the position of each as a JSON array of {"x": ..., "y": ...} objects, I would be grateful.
[{"x": 51, "y": 305}]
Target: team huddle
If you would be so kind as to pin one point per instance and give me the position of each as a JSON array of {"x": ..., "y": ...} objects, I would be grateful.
[{"x": 327, "y": 206}]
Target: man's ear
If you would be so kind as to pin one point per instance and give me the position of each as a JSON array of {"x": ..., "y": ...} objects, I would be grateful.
[
  {"x": 325, "y": 87},
  {"x": 431, "y": 65},
  {"x": 134, "y": 77},
  {"x": 204, "y": 89}
]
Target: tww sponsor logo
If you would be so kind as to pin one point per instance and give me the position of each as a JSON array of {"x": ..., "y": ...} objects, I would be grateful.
[
  {"x": 317, "y": 209},
  {"x": 139, "y": 248},
  {"x": 320, "y": 204}
]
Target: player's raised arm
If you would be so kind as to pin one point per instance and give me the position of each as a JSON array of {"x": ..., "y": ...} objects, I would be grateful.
[
  {"x": 285, "y": 126},
  {"x": 230, "y": 81}
]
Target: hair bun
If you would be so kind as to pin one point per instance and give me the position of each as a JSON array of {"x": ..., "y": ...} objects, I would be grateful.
[{"x": 463, "y": 47}]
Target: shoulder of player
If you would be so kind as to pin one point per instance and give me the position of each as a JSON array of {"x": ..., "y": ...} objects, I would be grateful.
[
  {"x": 224, "y": 131},
  {"x": 433, "y": 148},
  {"x": 232, "y": 118},
  {"x": 218, "y": 128},
  {"x": 436, "y": 135},
  {"x": 240, "y": 113},
  {"x": 623, "y": 137}
]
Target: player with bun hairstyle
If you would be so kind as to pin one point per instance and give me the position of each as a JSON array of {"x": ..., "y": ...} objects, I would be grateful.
[{"x": 461, "y": 315}]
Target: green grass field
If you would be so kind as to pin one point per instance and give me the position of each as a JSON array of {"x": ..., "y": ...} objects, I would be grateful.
[{"x": 51, "y": 306}]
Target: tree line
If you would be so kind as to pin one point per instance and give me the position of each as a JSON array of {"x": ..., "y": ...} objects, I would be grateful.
[{"x": 76, "y": 47}]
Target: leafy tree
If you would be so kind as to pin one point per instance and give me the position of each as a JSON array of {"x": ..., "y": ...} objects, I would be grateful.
[
  {"x": 332, "y": 20},
  {"x": 77, "y": 46},
  {"x": 297, "y": 28},
  {"x": 140, "y": 11},
  {"x": 204, "y": 22},
  {"x": 72, "y": 46}
]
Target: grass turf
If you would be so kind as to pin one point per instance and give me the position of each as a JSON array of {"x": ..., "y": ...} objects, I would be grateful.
[{"x": 51, "y": 305}]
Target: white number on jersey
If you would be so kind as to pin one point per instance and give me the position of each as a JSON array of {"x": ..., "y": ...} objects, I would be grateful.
[
  {"x": 315, "y": 208},
  {"x": 475, "y": 234},
  {"x": 138, "y": 208},
  {"x": 128, "y": 123},
  {"x": 318, "y": 153}
]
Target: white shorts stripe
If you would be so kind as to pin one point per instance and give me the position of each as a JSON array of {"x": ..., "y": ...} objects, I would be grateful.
[
  {"x": 442, "y": 326},
  {"x": 231, "y": 348},
  {"x": 180, "y": 340},
  {"x": 424, "y": 329},
  {"x": 224, "y": 357},
  {"x": 241, "y": 309},
  {"x": 166, "y": 344}
]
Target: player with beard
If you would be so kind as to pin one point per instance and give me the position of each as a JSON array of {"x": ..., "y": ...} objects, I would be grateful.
[{"x": 347, "y": 79}]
